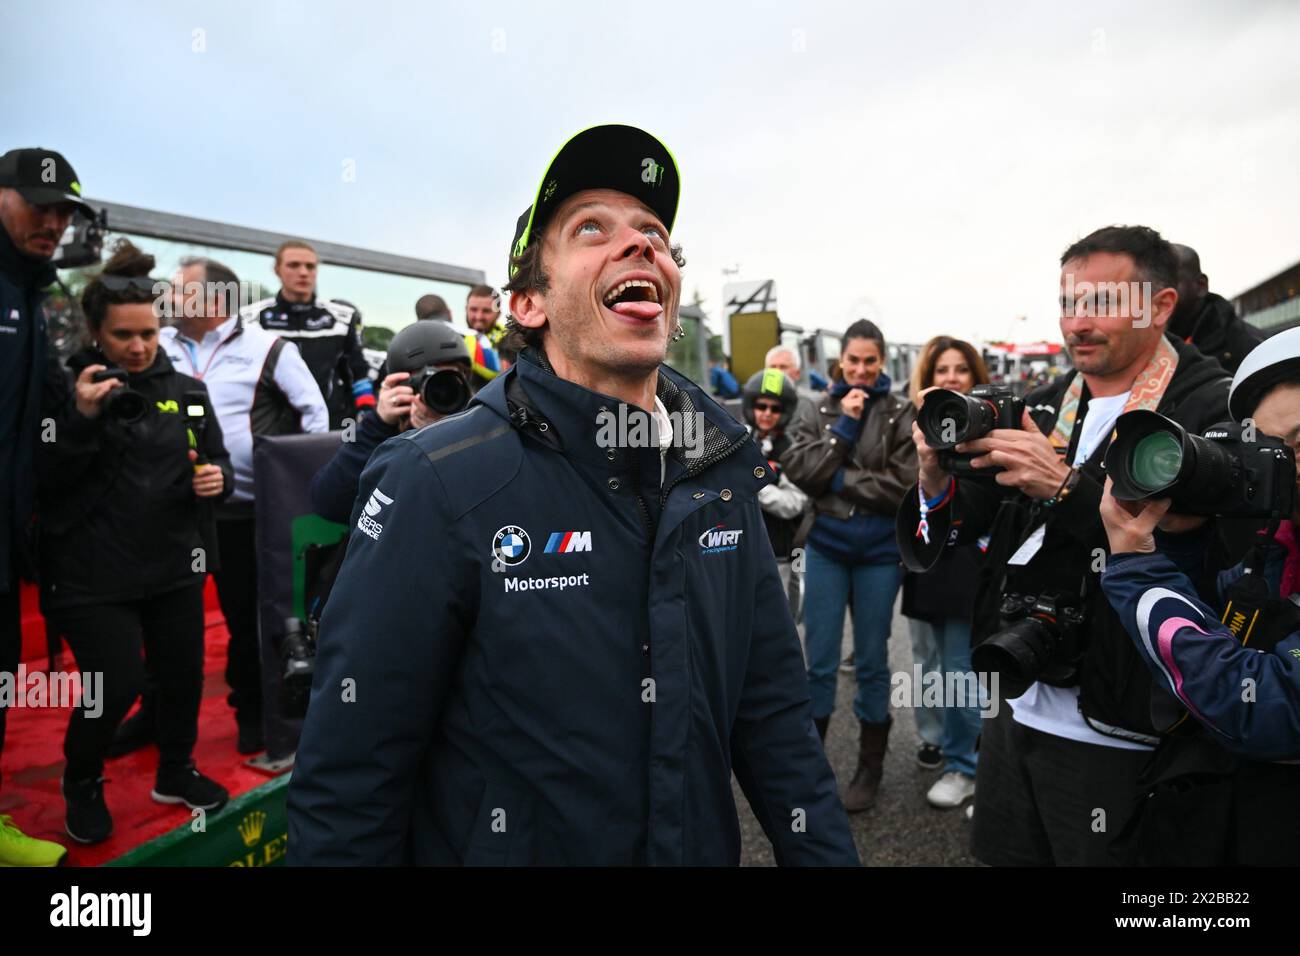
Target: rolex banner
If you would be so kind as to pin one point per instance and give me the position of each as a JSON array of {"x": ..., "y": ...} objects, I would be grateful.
[{"x": 292, "y": 546}]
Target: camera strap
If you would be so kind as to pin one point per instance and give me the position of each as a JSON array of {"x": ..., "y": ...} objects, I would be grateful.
[{"x": 1147, "y": 392}]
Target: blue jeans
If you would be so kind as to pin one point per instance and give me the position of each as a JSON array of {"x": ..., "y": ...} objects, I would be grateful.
[
  {"x": 944, "y": 648},
  {"x": 828, "y": 587}
]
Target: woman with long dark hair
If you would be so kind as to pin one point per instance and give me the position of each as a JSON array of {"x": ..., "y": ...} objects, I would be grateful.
[
  {"x": 856, "y": 459},
  {"x": 135, "y": 455}
]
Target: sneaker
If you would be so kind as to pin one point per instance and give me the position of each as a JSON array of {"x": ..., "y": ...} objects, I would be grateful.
[
  {"x": 88, "y": 819},
  {"x": 951, "y": 790},
  {"x": 929, "y": 757},
  {"x": 18, "y": 849},
  {"x": 133, "y": 733},
  {"x": 191, "y": 788},
  {"x": 846, "y": 665}
]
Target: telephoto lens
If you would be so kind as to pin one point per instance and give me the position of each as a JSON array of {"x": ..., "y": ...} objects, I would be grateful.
[
  {"x": 123, "y": 404},
  {"x": 445, "y": 391},
  {"x": 948, "y": 418},
  {"x": 1230, "y": 471}
]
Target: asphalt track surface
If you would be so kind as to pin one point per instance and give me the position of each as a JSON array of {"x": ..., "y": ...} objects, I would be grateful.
[{"x": 902, "y": 829}]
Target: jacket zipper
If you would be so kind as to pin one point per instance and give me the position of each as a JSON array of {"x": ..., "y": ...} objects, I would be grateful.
[{"x": 707, "y": 463}]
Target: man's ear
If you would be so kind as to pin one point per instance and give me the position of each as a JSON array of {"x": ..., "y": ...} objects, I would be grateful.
[
  {"x": 1162, "y": 307},
  {"x": 528, "y": 308}
]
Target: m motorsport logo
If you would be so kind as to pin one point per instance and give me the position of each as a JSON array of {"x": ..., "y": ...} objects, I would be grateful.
[
  {"x": 568, "y": 542},
  {"x": 720, "y": 538}
]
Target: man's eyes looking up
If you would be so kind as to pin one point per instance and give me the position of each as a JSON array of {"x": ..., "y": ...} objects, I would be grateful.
[{"x": 592, "y": 227}]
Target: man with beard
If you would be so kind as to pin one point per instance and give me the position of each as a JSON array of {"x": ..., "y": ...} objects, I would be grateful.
[{"x": 39, "y": 192}]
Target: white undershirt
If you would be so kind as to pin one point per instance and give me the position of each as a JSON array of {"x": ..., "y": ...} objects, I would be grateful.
[
  {"x": 664, "y": 429},
  {"x": 1055, "y": 710}
]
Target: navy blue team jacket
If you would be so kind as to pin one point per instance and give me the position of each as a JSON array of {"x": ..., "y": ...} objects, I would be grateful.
[{"x": 538, "y": 653}]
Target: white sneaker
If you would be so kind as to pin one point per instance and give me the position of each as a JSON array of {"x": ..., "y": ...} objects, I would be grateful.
[{"x": 951, "y": 790}]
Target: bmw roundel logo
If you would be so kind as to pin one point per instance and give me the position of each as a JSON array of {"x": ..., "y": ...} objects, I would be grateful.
[{"x": 511, "y": 545}]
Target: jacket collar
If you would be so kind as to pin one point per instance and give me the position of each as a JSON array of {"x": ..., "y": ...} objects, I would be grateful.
[{"x": 530, "y": 395}]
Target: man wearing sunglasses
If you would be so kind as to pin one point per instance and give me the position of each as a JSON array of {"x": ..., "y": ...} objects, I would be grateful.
[{"x": 39, "y": 192}]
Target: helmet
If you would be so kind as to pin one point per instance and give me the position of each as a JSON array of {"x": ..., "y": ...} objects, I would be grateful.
[
  {"x": 1273, "y": 361},
  {"x": 426, "y": 343},
  {"x": 773, "y": 383}
]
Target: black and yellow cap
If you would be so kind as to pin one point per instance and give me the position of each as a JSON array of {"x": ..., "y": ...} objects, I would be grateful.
[
  {"x": 613, "y": 156},
  {"x": 42, "y": 177}
]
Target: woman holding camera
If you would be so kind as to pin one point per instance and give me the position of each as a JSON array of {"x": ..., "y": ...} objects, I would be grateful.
[
  {"x": 939, "y": 606},
  {"x": 133, "y": 457},
  {"x": 855, "y": 458}
]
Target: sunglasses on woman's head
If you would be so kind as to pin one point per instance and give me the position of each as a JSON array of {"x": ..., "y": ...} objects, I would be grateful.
[{"x": 134, "y": 283}]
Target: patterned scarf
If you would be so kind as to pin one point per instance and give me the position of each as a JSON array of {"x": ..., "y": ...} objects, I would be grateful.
[{"x": 1146, "y": 393}]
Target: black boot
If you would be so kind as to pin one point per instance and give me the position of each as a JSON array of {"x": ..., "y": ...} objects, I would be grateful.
[
  {"x": 821, "y": 723},
  {"x": 873, "y": 743}
]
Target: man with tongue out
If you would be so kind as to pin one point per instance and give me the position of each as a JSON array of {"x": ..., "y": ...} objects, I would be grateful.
[{"x": 554, "y": 646}]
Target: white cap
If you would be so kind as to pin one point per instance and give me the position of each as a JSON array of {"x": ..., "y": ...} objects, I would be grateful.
[{"x": 1273, "y": 361}]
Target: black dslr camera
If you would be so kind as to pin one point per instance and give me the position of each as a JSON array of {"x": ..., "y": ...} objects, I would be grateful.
[
  {"x": 125, "y": 405},
  {"x": 1231, "y": 472},
  {"x": 444, "y": 390},
  {"x": 948, "y": 418},
  {"x": 1041, "y": 639}
]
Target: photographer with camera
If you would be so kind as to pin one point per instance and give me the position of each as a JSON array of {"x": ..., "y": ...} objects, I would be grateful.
[
  {"x": 134, "y": 455},
  {"x": 1229, "y": 678},
  {"x": 1057, "y": 774},
  {"x": 428, "y": 378},
  {"x": 852, "y": 456},
  {"x": 938, "y": 606}
]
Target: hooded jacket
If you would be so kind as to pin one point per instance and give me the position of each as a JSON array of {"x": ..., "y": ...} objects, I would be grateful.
[
  {"x": 118, "y": 516},
  {"x": 1217, "y": 330},
  {"x": 1114, "y": 686},
  {"x": 25, "y": 366},
  {"x": 552, "y": 657}
]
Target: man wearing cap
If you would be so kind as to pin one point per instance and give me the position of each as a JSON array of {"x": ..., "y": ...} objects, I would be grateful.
[
  {"x": 559, "y": 630},
  {"x": 1226, "y": 790},
  {"x": 39, "y": 192}
]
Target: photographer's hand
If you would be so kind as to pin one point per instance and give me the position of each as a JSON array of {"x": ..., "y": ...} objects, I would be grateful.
[
  {"x": 90, "y": 394},
  {"x": 394, "y": 399},
  {"x": 421, "y": 414},
  {"x": 208, "y": 479},
  {"x": 1032, "y": 464},
  {"x": 1130, "y": 525},
  {"x": 933, "y": 478}
]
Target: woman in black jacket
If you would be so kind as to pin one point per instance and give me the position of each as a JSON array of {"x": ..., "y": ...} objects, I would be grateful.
[{"x": 124, "y": 487}]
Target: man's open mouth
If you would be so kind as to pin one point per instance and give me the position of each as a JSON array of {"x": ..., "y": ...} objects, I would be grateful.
[{"x": 634, "y": 299}]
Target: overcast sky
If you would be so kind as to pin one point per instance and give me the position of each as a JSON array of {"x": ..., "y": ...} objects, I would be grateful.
[{"x": 921, "y": 164}]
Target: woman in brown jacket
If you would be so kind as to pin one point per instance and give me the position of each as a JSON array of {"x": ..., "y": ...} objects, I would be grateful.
[{"x": 856, "y": 459}]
